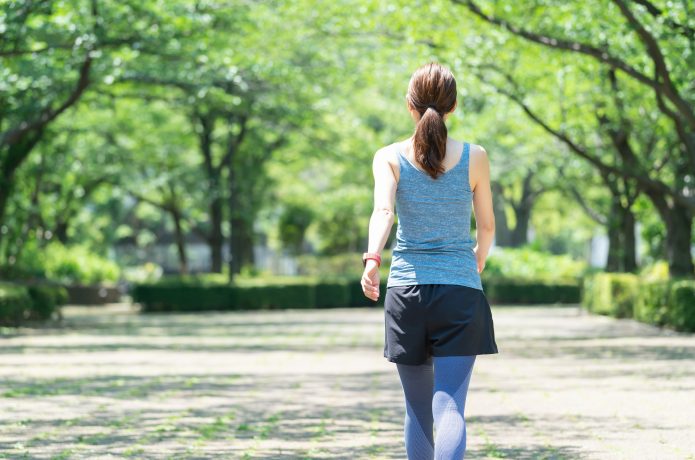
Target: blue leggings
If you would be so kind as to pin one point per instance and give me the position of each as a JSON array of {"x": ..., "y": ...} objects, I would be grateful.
[{"x": 435, "y": 396}]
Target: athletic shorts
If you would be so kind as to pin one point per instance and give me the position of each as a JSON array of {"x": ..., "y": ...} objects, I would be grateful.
[{"x": 424, "y": 320}]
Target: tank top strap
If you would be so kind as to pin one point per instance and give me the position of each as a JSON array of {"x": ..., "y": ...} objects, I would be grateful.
[
  {"x": 403, "y": 163},
  {"x": 465, "y": 162}
]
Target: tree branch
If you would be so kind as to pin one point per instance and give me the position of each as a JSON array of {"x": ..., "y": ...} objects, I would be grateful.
[
  {"x": 563, "y": 44},
  {"x": 656, "y": 12},
  {"x": 644, "y": 179},
  {"x": 655, "y": 53},
  {"x": 48, "y": 113}
]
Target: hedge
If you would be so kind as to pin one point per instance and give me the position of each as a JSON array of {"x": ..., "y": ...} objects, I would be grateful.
[
  {"x": 185, "y": 295},
  {"x": 14, "y": 302},
  {"x": 199, "y": 297},
  {"x": 612, "y": 294},
  {"x": 668, "y": 303},
  {"x": 21, "y": 302},
  {"x": 531, "y": 291}
]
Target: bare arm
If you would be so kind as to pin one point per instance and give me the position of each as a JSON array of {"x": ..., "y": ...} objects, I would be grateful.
[
  {"x": 482, "y": 206},
  {"x": 381, "y": 220}
]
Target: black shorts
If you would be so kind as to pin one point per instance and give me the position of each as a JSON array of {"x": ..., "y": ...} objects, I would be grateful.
[{"x": 423, "y": 320}]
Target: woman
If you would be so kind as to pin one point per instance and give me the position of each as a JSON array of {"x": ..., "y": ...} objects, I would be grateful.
[{"x": 437, "y": 318}]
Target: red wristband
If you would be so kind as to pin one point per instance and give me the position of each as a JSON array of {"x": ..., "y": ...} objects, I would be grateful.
[{"x": 371, "y": 255}]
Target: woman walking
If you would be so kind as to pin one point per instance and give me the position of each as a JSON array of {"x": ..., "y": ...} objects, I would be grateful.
[{"x": 437, "y": 318}]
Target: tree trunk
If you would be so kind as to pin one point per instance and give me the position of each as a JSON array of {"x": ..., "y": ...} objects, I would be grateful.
[
  {"x": 61, "y": 231},
  {"x": 11, "y": 158},
  {"x": 519, "y": 235},
  {"x": 233, "y": 225},
  {"x": 502, "y": 234},
  {"x": 180, "y": 243},
  {"x": 247, "y": 242},
  {"x": 237, "y": 243},
  {"x": 629, "y": 260},
  {"x": 614, "y": 228},
  {"x": 216, "y": 238},
  {"x": 679, "y": 225},
  {"x": 621, "y": 238}
]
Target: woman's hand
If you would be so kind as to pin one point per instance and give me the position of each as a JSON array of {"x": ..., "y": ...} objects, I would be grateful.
[
  {"x": 480, "y": 259},
  {"x": 370, "y": 280}
]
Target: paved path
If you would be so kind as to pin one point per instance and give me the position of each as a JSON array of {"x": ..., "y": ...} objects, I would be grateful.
[{"x": 313, "y": 384}]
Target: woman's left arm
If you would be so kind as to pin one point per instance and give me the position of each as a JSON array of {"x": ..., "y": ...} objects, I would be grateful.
[{"x": 381, "y": 220}]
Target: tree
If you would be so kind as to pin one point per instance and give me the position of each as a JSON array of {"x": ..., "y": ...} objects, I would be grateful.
[{"x": 673, "y": 198}]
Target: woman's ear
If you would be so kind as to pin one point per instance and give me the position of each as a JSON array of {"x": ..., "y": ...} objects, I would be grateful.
[
  {"x": 456, "y": 103},
  {"x": 407, "y": 103}
]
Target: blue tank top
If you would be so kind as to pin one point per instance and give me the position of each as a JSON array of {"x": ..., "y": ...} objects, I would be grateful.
[{"x": 433, "y": 238}]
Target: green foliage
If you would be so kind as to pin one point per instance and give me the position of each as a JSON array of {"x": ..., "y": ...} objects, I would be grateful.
[
  {"x": 668, "y": 303},
  {"x": 166, "y": 77},
  {"x": 19, "y": 303},
  {"x": 68, "y": 264},
  {"x": 345, "y": 264},
  {"x": 611, "y": 294},
  {"x": 661, "y": 302},
  {"x": 46, "y": 300},
  {"x": 653, "y": 302},
  {"x": 14, "y": 302},
  {"x": 527, "y": 263},
  {"x": 292, "y": 225},
  {"x": 184, "y": 296},
  {"x": 530, "y": 291},
  {"x": 657, "y": 270},
  {"x": 146, "y": 273},
  {"x": 199, "y": 294},
  {"x": 682, "y": 305}
]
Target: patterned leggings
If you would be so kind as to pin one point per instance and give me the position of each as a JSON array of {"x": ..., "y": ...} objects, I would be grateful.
[{"x": 435, "y": 396}]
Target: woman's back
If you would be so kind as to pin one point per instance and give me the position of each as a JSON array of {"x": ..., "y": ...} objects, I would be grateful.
[
  {"x": 433, "y": 240},
  {"x": 436, "y": 316}
]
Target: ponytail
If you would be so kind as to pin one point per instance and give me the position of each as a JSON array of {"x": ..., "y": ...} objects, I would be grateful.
[
  {"x": 432, "y": 93},
  {"x": 429, "y": 142}
]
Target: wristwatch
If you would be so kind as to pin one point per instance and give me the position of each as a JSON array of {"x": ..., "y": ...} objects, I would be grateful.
[{"x": 371, "y": 255}]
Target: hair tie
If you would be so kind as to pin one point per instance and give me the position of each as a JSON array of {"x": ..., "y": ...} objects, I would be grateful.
[{"x": 432, "y": 107}]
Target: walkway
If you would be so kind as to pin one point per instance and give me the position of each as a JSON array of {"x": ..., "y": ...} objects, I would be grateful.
[{"x": 313, "y": 384}]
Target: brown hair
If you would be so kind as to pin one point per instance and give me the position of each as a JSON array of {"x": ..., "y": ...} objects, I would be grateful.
[{"x": 432, "y": 92}]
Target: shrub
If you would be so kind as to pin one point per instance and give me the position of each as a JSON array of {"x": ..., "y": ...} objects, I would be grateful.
[
  {"x": 682, "y": 315},
  {"x": 192, "y": 296},
  {"x": 195, "y": 294},
  {"x": 347, "y": 265},
  {"x": 661, "y": 302},
  {"x": 77, "y": 264},
  {"x": 655, "y": 271},
  {"x": 29, "y": 302},
  {"x": 527, "y": 263},
  {"x": 667, "y": 303},
  {"x": 65, "y": 264},
  {"x": 14, "y": 303},
  {"x": 46, "y": 300},
  {"x": 537, "y": 291},
  {"x": 653, "y": 302},
  {"x": 146, "y": 273},
  {"x": 611, "y": 294}
]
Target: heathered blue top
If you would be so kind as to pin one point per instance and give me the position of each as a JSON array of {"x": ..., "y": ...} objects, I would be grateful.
[{"x": 433, "y": 238}]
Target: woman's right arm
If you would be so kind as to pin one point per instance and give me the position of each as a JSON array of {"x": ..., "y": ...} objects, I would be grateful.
[{"x": 482, "y": 205}]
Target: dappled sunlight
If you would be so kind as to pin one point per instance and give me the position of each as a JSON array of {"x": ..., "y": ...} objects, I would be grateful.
[{"x": 566, "y": 384}]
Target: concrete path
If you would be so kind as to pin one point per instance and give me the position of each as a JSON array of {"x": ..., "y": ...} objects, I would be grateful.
[{"x": 313, "y": 384}]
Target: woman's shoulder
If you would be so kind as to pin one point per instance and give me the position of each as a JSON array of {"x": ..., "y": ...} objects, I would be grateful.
[
  {"x": 478, "y": 154},
  {"x": 389, "y": 153}
]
